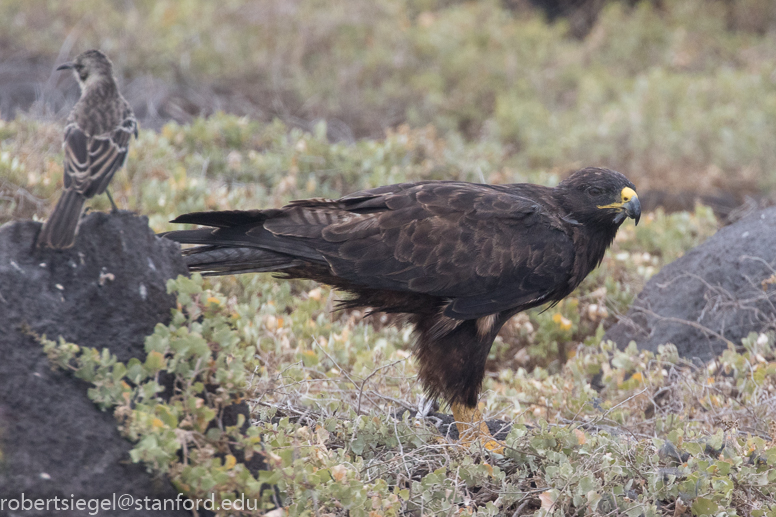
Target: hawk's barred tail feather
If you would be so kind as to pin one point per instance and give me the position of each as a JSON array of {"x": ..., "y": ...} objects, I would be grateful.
[
  {"x": 210, "y": 258},
  {"x": 214, "y": 261},
  {"x": 58, "y": 231}
]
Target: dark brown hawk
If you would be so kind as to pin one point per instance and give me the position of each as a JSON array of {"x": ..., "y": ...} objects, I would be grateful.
[
  {"x": 96, "y": 143},
  {"x": 458, "y": 258}
]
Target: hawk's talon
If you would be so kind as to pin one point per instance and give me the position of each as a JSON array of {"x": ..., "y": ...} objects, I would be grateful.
[{"x": 472, "y": 428}]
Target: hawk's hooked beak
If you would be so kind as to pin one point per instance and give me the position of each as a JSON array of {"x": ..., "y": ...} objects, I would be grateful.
[
  {"x": 65, "y": 66},
  {"x": 629, "y": 206},
  {"x": 633, "y": 209}
]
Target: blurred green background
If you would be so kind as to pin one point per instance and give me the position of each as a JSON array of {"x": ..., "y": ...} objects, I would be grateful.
[{"x": 678, "y": 94}]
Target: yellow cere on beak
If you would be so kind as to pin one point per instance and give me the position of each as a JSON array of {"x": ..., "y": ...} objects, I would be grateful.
[
  {"x": 626, "y": 195},
  {"x": 629, "y": 206}
]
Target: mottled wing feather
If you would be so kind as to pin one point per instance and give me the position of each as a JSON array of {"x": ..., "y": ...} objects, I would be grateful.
[
  {"x": 486, "y": 250},
  {"x": 76, "y": 149},
  {"x": 379, "y": 193},
  {"x": 91, "y": 161}
]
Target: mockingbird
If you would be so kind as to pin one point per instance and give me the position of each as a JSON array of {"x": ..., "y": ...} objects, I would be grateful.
[{"x": 96, "y": 142}]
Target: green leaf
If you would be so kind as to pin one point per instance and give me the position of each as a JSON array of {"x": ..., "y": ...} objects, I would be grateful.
[
  {"x": 154, "y": 362},
  {"x": 704, "y": 506},
  {"x": 119, "y": 371},
  {"x": 586, "y": 484},
  {"x": 167, "y": 416},
  {"x": 357, "y": 445}
]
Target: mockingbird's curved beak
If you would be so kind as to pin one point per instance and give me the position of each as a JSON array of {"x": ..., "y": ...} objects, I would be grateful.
[{"x": 65, "y": 66}]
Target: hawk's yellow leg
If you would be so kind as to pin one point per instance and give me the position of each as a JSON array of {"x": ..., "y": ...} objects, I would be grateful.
[{"x": 471, "y": 427}]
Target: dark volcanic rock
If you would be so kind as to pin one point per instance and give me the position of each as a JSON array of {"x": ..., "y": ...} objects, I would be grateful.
[
  {"x": 107, "y": 291},
  {"x": 717, "y": 288}
]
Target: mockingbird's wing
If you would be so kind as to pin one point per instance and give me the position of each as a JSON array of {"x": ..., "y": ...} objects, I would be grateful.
[{"x": 91, "y": 161}]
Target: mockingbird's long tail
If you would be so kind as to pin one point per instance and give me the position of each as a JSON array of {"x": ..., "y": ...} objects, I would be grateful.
[{"x": 58, "y": 231}]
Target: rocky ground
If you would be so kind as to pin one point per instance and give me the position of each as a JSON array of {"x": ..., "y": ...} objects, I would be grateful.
[
  {"x": 107, "y": 291},
  {"x": 714, "y": 295}
]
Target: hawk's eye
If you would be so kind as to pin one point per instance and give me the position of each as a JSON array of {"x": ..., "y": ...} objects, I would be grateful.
[{"x": 595, "y": 191}]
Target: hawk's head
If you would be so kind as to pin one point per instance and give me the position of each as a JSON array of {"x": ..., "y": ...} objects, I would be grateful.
[{"x": 599, "y": 195}]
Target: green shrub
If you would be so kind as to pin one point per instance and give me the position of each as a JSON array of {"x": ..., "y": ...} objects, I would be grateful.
[{"x": 333, "y": 441}]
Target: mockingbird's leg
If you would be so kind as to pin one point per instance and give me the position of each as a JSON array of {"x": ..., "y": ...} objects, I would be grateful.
[{"x": 110, "y": 198}]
